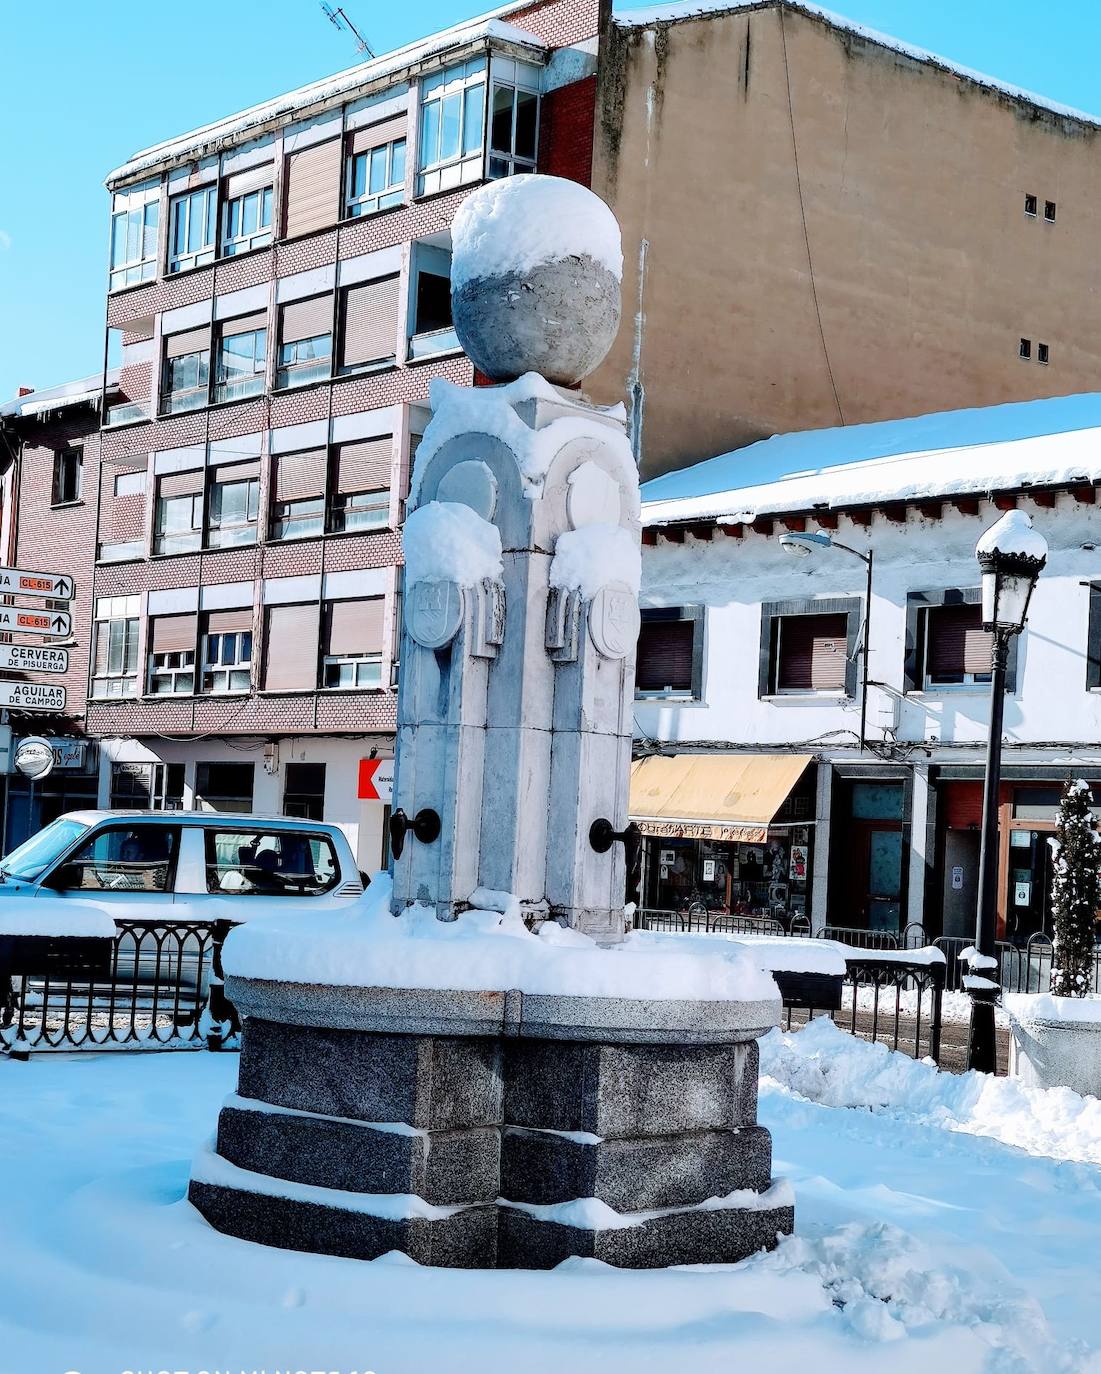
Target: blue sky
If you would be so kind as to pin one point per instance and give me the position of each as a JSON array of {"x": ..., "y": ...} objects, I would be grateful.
[{"x": 87, "y": 82}]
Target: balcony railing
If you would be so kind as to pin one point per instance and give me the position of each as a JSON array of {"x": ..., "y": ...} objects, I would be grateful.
[
  {"x": 174, "y": 402},
  {"x": 128, "y": 413},
  {"x": 237, "y": 390}
]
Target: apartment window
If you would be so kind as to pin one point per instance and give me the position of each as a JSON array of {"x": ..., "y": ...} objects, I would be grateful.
[
  {"x": 375, "y": 177},
  {"x": 224, "y": 786},
  {"x": 178, "y": 512},
  {"x": 353, "y": 644},
  {"x": 304, "y": 791},
  {"x": 147, "y": 786},
  {"x": 362, "y": 472},
  {"x": 233, "y": 505},
  {"x": 135, "y": 217},
  {"x": 452, "y": 126},
  {"x": 1093, "y": 640},
  {"x": 227, "y": 651},
  {"x": 1043, "y": 353},
  {"x": 68, "y": 475},
  {"x": 1030, "y": 205},
  {"x": 669, "y": 659},
  {"x": 185, "y": 376},
  {"x": 369, "y": 323},
  {"x": 246, "y": 214},
  {"x": 809, "y": 647},
  {"x": 305, "y": 341},
  {"x": 946, "y": 645},
  {"x": 115, "y": 648},
  {"x": 192, "y": 232},
  {"x": 1024, "y": 348},
  {"x": 431, "y": 330},
  {"x": 172, "y": 655},
  {"x": 290, "y": 658},
  {"x": 298, "y": 494},
  {"x": 130, "y": 483},
  {"x": 1049, "y": 211},
  {"x": 514, "y": 118},
  {"x": 242, "y": 358},
  {"x": 312, "y": 188}
]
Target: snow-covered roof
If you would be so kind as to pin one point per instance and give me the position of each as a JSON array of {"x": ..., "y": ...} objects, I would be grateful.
[
  {"x": 62, "y": 397},
  {"x": 639, "y": 17},
  {"x": 235, "y": 127},
  {"x": 951, "y": 453}
]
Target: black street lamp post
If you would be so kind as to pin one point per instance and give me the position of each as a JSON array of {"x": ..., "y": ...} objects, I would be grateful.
[{"x": 1011, "y": 555}]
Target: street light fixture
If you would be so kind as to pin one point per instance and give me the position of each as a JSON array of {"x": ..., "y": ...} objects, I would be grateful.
[
  {"x": 1011, "y": 556},
  {"x": 802, "y": 545}
]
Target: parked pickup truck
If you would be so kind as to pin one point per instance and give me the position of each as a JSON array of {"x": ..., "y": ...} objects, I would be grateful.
[{"x": 175, "y": 868}]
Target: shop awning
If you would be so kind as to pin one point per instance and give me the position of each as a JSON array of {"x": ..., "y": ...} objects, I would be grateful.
[{"x": 712, "y": 796}]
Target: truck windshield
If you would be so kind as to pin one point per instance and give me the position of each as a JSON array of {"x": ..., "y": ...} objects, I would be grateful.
[{"x": 35, "y": 855}]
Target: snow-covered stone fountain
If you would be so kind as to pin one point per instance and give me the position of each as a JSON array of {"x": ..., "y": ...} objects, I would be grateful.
[{"x": 475, "y": 1066}]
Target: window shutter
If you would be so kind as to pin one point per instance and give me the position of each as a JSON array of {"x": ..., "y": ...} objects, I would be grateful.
[
  {"x": 237, "y": 472},
  {"x": 231, "y": 622},
  {"x": 299, "y": 476},
  {"x": 665, "y": 656},
  {"x": 246, "y": 324},
  {"x": 366, "y": 466},
  {"x": 813, "y": 652},
  {"x": 192, "y": 341},
  {"x": 181, "y": 483},
  {"x": 174, "y": 634},
  {"x": 240, "y": 183},
  {"x": 313, "y": 188},
  {"x": 355, "y": 627},
  {"x": 291, "y": 655},
  {"x": 307, "y": 319},
  {"x": 957, "y": 641},
  {"x": 375, "y": 135},
  {"x": 370, "y": 322}
]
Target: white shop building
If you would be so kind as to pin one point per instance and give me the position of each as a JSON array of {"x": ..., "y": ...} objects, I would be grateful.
[{"x": 756, "y": 669}]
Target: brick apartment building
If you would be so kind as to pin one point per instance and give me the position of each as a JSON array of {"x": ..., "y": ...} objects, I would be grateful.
[
  {"x": 279, "y": 302},
  {"x": 49, "y": 474}
]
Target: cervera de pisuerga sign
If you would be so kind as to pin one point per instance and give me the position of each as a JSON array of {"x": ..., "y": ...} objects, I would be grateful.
[
  {"x": 33, "y": 658},
  {"x": 22, "y": 582}
]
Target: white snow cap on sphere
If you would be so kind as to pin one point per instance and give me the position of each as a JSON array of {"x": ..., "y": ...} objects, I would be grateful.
[
  {"x": 448, "y": 542},
  {"x": 1013, "y": 534},
  {"x": 519, "y": 222}
]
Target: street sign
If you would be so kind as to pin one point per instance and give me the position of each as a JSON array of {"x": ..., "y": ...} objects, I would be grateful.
[
  {"x": 32, "y": 696},
  {"x": 376, "y": 780},
  {"x": 20, "y": 582},
  {"x": 34, "y": 757},
  {"x": 18, "y": 622},
  {"x": 31, "y": 658}
]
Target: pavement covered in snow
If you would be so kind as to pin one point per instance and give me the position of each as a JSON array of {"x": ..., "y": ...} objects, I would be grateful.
[{"x": 942, "y": 1223}]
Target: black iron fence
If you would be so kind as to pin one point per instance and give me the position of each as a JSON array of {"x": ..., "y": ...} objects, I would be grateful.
[{"x": 162, "y": 990}]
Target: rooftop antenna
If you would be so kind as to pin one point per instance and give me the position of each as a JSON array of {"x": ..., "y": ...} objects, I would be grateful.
[{"x": 340, "y": 19}]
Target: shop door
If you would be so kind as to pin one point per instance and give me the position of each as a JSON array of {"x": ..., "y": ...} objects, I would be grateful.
[
  {"x": 875, "y": 878},
  {"x": 1028, "y": 887}
]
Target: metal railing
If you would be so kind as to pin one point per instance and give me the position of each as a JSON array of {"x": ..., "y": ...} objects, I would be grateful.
[{"x": 162, "y": 990}]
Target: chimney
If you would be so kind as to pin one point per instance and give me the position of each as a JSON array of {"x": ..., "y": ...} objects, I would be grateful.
[{"x": 23, "y": 391}]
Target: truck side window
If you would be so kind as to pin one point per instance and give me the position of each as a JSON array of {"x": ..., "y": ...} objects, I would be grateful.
[
  {"x": 276, "y": 863},
  {"x": 132, "y": 858}
]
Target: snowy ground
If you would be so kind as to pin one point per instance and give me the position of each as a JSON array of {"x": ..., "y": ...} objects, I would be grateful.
[{"x": 944, "y": 1223}]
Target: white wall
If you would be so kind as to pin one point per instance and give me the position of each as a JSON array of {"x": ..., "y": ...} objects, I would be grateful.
[
  {"x": 361, "y": 821},
  {"x": 732, "y": 577}
]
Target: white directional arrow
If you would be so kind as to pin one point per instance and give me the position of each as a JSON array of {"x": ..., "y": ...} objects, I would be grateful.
[
  {"x": 21, "y": 582},
  {"x": 20, "y": 622}
]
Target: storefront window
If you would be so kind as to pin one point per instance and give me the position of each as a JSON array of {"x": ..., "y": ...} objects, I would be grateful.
[{"x": 710, "y": 879}]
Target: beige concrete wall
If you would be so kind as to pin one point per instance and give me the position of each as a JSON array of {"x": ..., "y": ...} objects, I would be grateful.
[{"x": 913, "y": 182}]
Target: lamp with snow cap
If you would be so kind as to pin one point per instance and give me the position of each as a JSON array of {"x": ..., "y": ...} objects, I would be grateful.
[{"x": 1011, "y": 556}]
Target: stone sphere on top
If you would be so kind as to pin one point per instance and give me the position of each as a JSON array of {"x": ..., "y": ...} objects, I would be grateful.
[{"x": 535, "y": 273}]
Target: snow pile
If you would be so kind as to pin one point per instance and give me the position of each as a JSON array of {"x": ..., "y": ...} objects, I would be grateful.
[
  {"x": 449, "y": 542},
  {"x": 46, "y": 916},
  {"x": 950, "y": 453},
  {"x": 775, "y": 953},
  {"x": 491, "y": 410},
  {"x": 593, "y": 1213},
  {"x": 828, "y": 1066},
  {"x": 595, "y": 556},
  {"x": 1044, "y": 1006},
  {"x": 1013, "y": 535},
  {"x": 520, "y": 222},
  {"x": 364, "y": 945}
]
